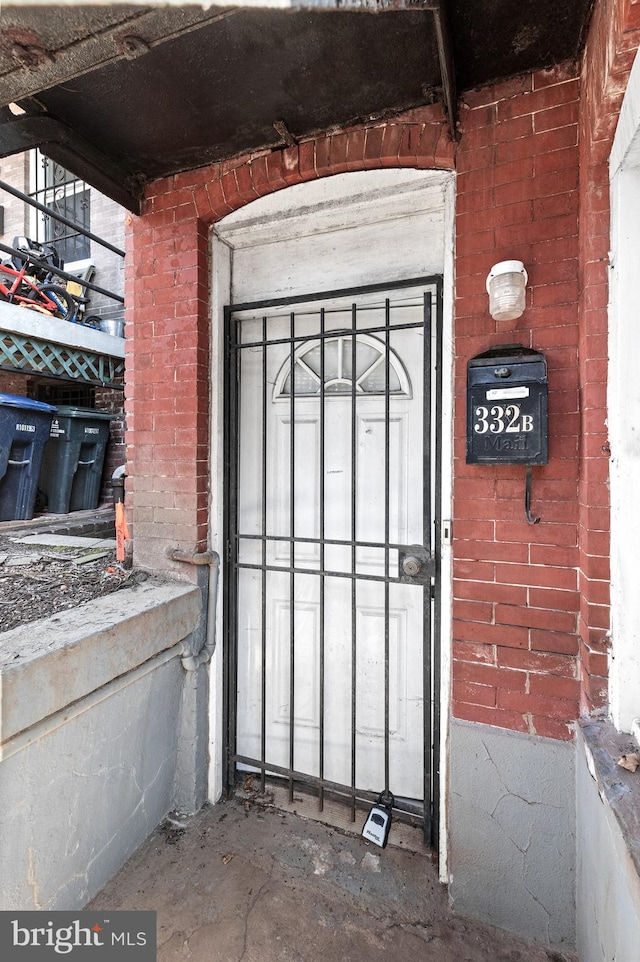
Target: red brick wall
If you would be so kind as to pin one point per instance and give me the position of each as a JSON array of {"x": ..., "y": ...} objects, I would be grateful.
[
  {"x": 611, "y": 46},
  {"x": 15, "y": 382},
  {"x": 112, "y": 401},
  {"x": 167, "y": 281},
  {"x": 530, "y": 602},
  {"x": 167, "y": 379},
  {"x": 493, "y": 681},
  {"x": 515, "y": 585}
]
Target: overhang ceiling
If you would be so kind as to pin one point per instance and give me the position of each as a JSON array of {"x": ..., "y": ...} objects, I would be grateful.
[{"x": 122, "y": 94}]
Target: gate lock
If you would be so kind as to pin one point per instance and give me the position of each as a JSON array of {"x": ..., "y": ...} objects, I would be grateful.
[{"x": 416, "y": 565}]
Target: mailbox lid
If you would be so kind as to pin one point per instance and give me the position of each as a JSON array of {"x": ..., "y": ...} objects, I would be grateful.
[{"x": 508, "y": 362}]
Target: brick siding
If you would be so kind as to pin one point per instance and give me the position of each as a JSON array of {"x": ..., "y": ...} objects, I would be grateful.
[
  {"x": 613, "y": 39},
  {"x": 14, "y": 170},
  {"x": 167, "y": 288},
  {"x": 112, "y": 401},
  {"x": 516, "y": 596},
  {"x": 530, "y": 602},
  {"x": 107, "y": 221},
  {"x": 516, "y": 587},
  {"x": 14, "y": 382}
]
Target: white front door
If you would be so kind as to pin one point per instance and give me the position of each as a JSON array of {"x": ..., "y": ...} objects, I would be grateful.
[{"x": 330, "y": 680}]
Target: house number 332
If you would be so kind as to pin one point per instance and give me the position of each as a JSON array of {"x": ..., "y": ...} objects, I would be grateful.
[{"x": 502, "y": 419}]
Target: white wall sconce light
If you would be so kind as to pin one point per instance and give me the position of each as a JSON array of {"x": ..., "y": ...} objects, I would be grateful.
[{"x": 506, "y": 285}]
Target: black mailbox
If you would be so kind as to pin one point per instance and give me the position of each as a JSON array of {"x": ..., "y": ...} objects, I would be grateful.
[{"x": 507, "y": 407}]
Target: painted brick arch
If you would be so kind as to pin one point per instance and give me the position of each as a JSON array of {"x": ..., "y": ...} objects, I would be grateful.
[
  {"x": 418, "y": 139},
  {"x": 167, "y": 291}
]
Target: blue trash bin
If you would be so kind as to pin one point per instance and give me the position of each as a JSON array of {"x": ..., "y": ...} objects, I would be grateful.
[
  {"x": 24, "y": 430},
  {"x": 73, "y": 459}
]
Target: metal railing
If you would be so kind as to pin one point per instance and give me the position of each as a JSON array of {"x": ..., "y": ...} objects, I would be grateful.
[
  {"x": 76, "y": 228},
  {"x": 64, "y": 274}
]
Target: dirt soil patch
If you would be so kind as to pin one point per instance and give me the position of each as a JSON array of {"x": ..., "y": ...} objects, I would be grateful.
[
  {"x": 37, "y": 581},
  {"x": 243, "y": 881}
]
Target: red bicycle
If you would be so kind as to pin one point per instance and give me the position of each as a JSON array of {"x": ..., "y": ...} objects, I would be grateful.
[{"x": 20, "y": 285}]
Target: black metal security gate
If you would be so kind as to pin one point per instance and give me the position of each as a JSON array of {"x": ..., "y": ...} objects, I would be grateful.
[{"x": 332, "y": 539}]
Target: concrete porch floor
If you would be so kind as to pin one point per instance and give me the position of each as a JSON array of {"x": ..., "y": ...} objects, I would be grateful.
[{"x": 240, "y": 882}]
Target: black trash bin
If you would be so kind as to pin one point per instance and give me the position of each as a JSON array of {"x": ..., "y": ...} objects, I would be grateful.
[
  {"x": 74, "y": 458},
  {"x": 24, "y": 429}
]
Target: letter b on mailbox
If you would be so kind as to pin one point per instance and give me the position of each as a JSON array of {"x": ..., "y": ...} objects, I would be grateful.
[{"x": 507, "y": 407}]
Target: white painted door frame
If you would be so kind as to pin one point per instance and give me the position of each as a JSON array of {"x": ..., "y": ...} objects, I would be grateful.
[{"x": 418, "y": 205}]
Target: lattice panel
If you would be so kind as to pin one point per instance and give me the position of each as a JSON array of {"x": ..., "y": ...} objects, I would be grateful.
[{"x": 42, "y": 357}]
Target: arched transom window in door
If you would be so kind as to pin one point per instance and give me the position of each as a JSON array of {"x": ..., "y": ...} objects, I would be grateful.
[{"x": 350, "y": 365}]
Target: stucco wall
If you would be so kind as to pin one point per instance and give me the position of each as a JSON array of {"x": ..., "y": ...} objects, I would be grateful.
[
  {"x": 608, "y": 885},
  {"x": 76, "y": 804},
  {"x": 512, "y": 831},
  {"x": 98, "y": 724}
]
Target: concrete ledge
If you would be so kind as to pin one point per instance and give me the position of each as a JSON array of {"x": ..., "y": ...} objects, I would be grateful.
[
  {"x": 48, "y": 664},
  {"x": 19, "y": 320},
  {"x": 608, "y": 821},
  {"x": 621, "y": 789}
]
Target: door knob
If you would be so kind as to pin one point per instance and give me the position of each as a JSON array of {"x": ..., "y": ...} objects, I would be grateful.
[
  {"x": 416, "y": 565},
  {"x": 411, "y": 566}
]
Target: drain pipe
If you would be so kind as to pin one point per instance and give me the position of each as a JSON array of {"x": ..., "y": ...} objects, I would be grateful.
[{"x": 212, "y": 559}]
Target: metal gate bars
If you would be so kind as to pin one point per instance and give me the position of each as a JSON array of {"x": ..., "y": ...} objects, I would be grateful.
[{"x": 331, "y": 529}]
